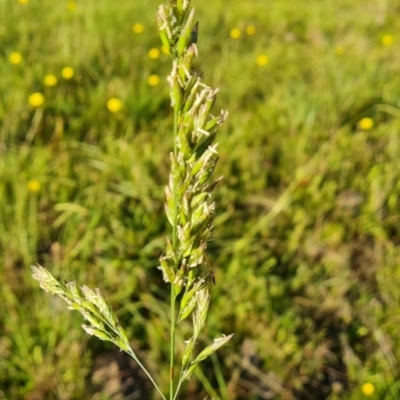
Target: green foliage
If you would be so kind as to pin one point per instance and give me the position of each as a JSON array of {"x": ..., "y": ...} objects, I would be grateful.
[{"x": 307, "y": 220}]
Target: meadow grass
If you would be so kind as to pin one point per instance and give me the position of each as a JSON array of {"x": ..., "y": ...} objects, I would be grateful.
[
  {"x": 189, "y": 207},
  {"x": 307, "y": 221}
]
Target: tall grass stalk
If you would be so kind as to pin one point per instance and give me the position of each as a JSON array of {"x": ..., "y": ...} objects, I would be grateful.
[{"x": 189, "y": 209}]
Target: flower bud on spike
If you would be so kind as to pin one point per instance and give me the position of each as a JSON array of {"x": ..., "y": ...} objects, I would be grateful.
[
  {"x": 184, "y": 38},
  {"x": 187, "y": 354},
  {"x": 96, "y": 332},
  {"x": 167, "y": 271},
  {"x": 165, "y": 41},
  {"x": 175, "y": 88},
  {"x": 179, "y": 6},
  {"x": 188, "y": 308}
]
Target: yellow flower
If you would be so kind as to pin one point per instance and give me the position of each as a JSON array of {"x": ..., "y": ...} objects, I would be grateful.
[
  {"x": 251, "y": 30},
  {"x": 34, "y": 186},
  {"x": 138, "y": 28},
  {"x": 164, "y": 49},
  {"x": 71, "y": 6},
  {"x": 368, "y": 389},
  {"x": 262, "y": 60},
  {"x": 387, "y": 40},
  {"x": 23, "y": 1},
  {"x": 67, "y": 72},
  {"x": 339, "y": 50},
  {"x": 50, "y": 80},
  {"x": 153, "y": 80},
  {"x": 36, "y": 99},
  {"x": 365, "y": 123},
  {"x": 15, "y": 58},
  {"x": 362, "y": 331},
  {"x": 114, "y": 105},
  {"x": 235, "y": 33},
  {"x": 154, "y": 53}
]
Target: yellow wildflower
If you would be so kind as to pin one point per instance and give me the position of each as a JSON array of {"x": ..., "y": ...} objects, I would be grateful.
[
  {"x": 23, "y": 1},
  {"x": 235, "y": 33},
  {"x": 67, "y": 72},
  {"x": 154, "y": 53},
  {"x": 71, "y": 6},
  {"x": 153, "y": 80},
  {"x": 50, "y": 80},
  {"x": 262, "y": 60},
  {"x": 251, "y": 30},
  {"x": 114, "y": 105},
  {"x": 34, "y": 186},
  {"x": 368, "y": 389},
  {"x": 387, "y": 40},
  {"x": 138, "y": 28},
  {"x": 366, "y": 123},
  {"x": 339, "y": 50},
  {"x": 36, "y": 99},
  {"x": 15, "y": 58}
]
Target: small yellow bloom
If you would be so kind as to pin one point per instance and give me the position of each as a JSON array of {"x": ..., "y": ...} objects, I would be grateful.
[
  {"x": 154, "y": 53},
  {"x": 365, "y": 123},
  {"x": 153, "y": 80},
  {"x": 362, "y": 331},
  {"x": 36, "y": 99},
  {"x": 387, "y": 40},
  {"x": 23, "y": 1},
  {"x": 339, "y": 50},
  {"x": 262, "y": 60},
  {"x": 235, "y": 33},
  {"x": 34, "y": 186},
  {"x": 50, "y": 80},
  {"x": 114, "y": 105},
  {"x": 251, "y": 30},
  {"x": 67, "y": 72},
  {"x": 368, "y": 389},
  {"x": 138, "y": 28},
  {"x": 164, "y": 49},
  {"x": 71, "y": 6},
  {"x": 15, "y": 58}
]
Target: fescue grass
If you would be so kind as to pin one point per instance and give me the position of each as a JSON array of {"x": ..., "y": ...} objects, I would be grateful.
[
  {"x": 307, "y": 222},
  {"x": 189, "y": 207}
]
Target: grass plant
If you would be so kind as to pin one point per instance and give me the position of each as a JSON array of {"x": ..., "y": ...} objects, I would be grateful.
[
  {"x": 189, "y": 208},
  {"x": 307, "y": 223}
]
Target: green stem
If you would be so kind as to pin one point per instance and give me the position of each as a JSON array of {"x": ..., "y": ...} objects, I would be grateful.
[
  {"x": 173, "y": 297},
  {"x": 178, "y": 388},
  {"x": 33, "y": 225},
  {"x": 172, "y": 344},
  {"x": 133, "y": 355},
  {"x": 175, "y": 194}
]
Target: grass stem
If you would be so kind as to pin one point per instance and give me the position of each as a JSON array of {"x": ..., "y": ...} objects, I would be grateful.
[{"x": 174, "y": 243}]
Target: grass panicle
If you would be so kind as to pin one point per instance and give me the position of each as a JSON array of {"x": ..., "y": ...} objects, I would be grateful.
[
  {"x": 189, "y": 206},
  {"x": 102, "y": 320}
]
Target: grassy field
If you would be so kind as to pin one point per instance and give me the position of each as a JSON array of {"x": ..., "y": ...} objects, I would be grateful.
[{"x": 306, "y": 253}]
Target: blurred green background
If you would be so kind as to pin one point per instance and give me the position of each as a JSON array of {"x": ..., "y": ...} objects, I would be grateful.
[{"x": 306, "y": 252}]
